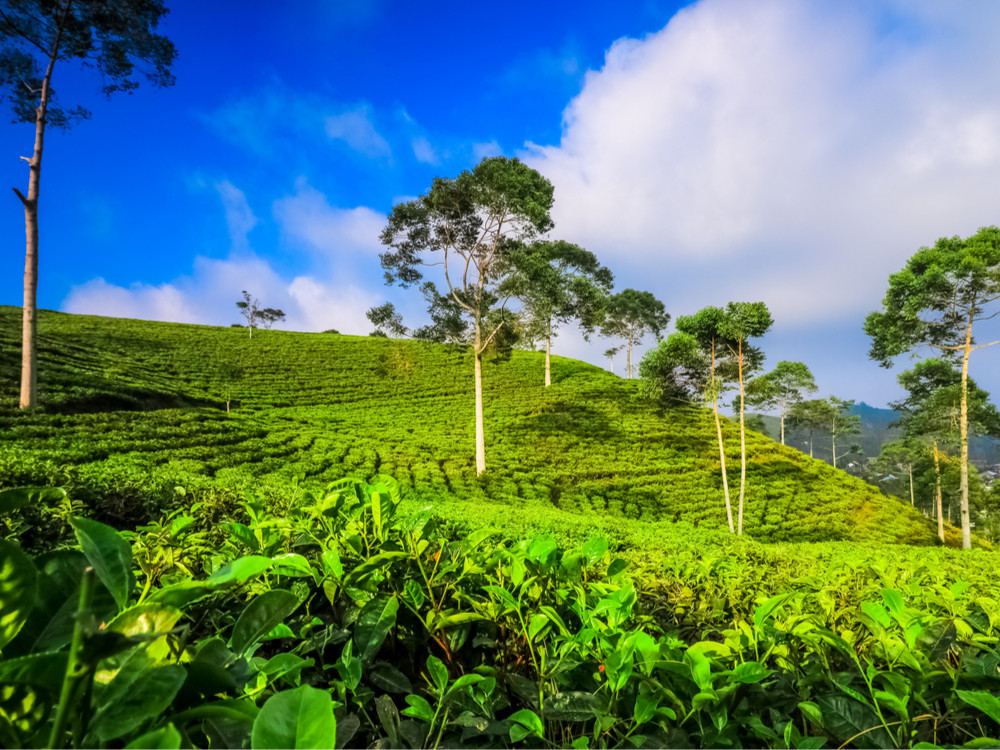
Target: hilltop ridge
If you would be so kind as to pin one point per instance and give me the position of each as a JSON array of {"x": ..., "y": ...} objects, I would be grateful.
[{"x": 134, "y": 409}]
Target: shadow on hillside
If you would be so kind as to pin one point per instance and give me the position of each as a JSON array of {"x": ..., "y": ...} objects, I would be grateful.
[
  {"x": 580, "y": 420},
  {"x": 89, "y": 400}
]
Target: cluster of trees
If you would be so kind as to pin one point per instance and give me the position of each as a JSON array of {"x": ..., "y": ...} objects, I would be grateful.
[
  {"x": 503, "y": 280},
  {"x": 938, "y": 302}
]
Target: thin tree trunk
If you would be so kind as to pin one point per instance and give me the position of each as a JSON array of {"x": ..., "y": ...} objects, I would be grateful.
[
  {"x": 480, "y": 432},
  {"x": 833, "y": 448},
  {"x": 628, "y": 359},
  {"x": 782, "y": 426},
  {"x": 937, "y": 476},
  {"x": 29, "y": 310},
  {"x": 548, "y": 353},
  {"x": 912, "y": 501},
  {"x": 964, "y": 425},
  {"x": 743, "y": 447},
  {"x": 722, "y": 449}
]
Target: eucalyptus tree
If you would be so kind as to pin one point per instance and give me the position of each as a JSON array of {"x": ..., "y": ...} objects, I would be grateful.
[
  {"x": 942, "y": 294},
  {"x": 786, "y": 385},
  {"x": 810, "y": 415},
  {"x": 467, "y": 227},
  {"x": 741, "y": 322},
  {"x": 932, "y": 409},
  {"x": 706, "y": 327},
  {"x": 899, "y": 455},
  {"x": 556, "y": 282},
  {"x": 114, "y": 37},
  {"x": 249, "y": 308},
  {"x": 630, "y": 315},
  {"x": 840, "y": 423}
]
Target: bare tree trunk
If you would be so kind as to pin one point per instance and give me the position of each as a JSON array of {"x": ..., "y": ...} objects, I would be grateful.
[
  {"x": 29, "y": 310},
  {"x": 964, "y": 425},
  {"x": 722, "y": 462},
  {"x": 548, "y": 353},
  {"x": 480, "y": 432},
  {"x": 940, "y": 510},
  {"x": 628, "y": 359},
  {"x": 782, "y": 426},
  {"x": 912, "y": 502},
  {"x": 743, "y": 447},
  {"x": 833, "y": 448}
]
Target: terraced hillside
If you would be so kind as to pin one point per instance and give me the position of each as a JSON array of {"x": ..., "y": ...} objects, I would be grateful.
[{"x": 135, "y": 410}]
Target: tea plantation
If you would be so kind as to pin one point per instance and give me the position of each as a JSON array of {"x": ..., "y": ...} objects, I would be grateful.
[
  {"x": 134, "y": 409},
  {"x": 186, "y": 576}
]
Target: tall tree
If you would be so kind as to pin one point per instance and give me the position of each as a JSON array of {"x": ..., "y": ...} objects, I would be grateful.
[
  {"x": 469, "y": 226},
  {"x": 931, "y": 412},
  {"x": 610, "y": 354},
  {"x": 810, "y": 415},
  {"x": 630, "y": 315},
  {"x": 114, "y": 37},
  {"x": 556, "y": 282},
  {"x": 249, "y": 308},
  {"x": 840, "y": 423},
  {"x": 741, "y": 322},
  {"x": 784, "y": 386},
  {"x": 937, "y": 300},
  {"x": 706, "y": 328}
]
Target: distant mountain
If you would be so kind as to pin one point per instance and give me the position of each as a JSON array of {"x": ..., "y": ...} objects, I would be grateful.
[{"x": 876, "y": 430}]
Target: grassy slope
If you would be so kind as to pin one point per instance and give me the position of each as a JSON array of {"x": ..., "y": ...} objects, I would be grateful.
[{"x": 134, "y": 407}]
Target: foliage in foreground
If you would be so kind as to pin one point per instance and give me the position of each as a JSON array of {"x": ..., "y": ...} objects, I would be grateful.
[{"x": 336, "y": 623}]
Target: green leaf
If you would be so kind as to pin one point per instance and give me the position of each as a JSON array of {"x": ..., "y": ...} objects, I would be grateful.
[
  {"x": 375, "y": 563},
  {"x": 285, "y": 665},
  {"x": 438, "y": 673},
  {"x": 240, "y": 570},
  {"x": 332, "y": 565},
  {"x": 877, "y": 613},
  {"x": 845, "y": 718},
  {"x": 750, "y": 672},
  {"x": 145, "y": 619},
  {"x": 147, "y": 694},
  {"x": 419, "y": 708},
  {"x": 260, "y": 616},
  {"x": 594, "y": 549},
  {"x": 528, "y": 723},
  {"x": 373, "y": 624},
  {"x": 385, "y": 676},
  {"x": 292, "y": 564},
  {"x": 109, "y": 554},
  {"x": 18, "y": 497},
  {"x": 645, "y": 707},
  {"x": 985, "y": 702},
  {"x": 535, "y": 625},
  {"x": 167, "y": 738},
  {"x": 768, "y": 608},
  {"x": 812, "y": 712},
  {"x": 18, "y": 590},
  {"x": 300, "y": 718},
  {"x": 572, "y": 706}
]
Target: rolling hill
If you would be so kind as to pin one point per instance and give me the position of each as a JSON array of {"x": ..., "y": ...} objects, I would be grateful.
[{"x": 134, "y": 414}]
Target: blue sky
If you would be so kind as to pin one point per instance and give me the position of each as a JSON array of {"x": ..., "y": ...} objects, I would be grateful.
[{"x": 795, "y": 152}]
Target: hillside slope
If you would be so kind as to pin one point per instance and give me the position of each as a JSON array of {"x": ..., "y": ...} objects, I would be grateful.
[{"x": 134, "y": 409}]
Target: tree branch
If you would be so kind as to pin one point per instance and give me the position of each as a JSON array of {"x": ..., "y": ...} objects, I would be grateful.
[{"x": 21, "y": 195}]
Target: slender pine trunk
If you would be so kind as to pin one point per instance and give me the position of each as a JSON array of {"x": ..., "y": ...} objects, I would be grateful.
[
  {"x": 937, "y": 478},
  {"x": 964, "y": 425},
  {"x": 743, "y": 446}
]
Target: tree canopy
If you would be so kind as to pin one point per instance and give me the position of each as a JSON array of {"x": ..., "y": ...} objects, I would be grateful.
[{"x": 630, "y": 315}]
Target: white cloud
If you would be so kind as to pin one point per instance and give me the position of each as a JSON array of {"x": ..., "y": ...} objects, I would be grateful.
[
  {"x": 209, "y": 294},
  {"x": 240, "y": 219},
  {"x": 308, "y": 217},
  {"x": 356, "y": 129},
  {"x": 481, "y": 150},
  {"x": 424, "y": 151},
  {"x": 796, "y": 152}
]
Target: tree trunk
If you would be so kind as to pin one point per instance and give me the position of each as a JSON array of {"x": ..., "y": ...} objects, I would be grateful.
[
  {"x": 722, "y": 462},
  {"x": 548, "y": 354},
  {"x": 833, "y": 448},
  {"x": 912, "y": 502},
  {"x": 628, "y": 359},
  {"x": 743, "y": 446},
  {"x": 937, "y": 476},
  {"x": 480, "y": 432},
  {"x": 964, "y": 426},
  {"x": 29, "y": 309},
  {"x": 722, "y": 449},
  {"x": 782, "y": 426}
]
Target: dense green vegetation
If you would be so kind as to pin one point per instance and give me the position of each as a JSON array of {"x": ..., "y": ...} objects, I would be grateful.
[
  {"x": 334, "y": 623},
  {"x": 134, "y": 410}
]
